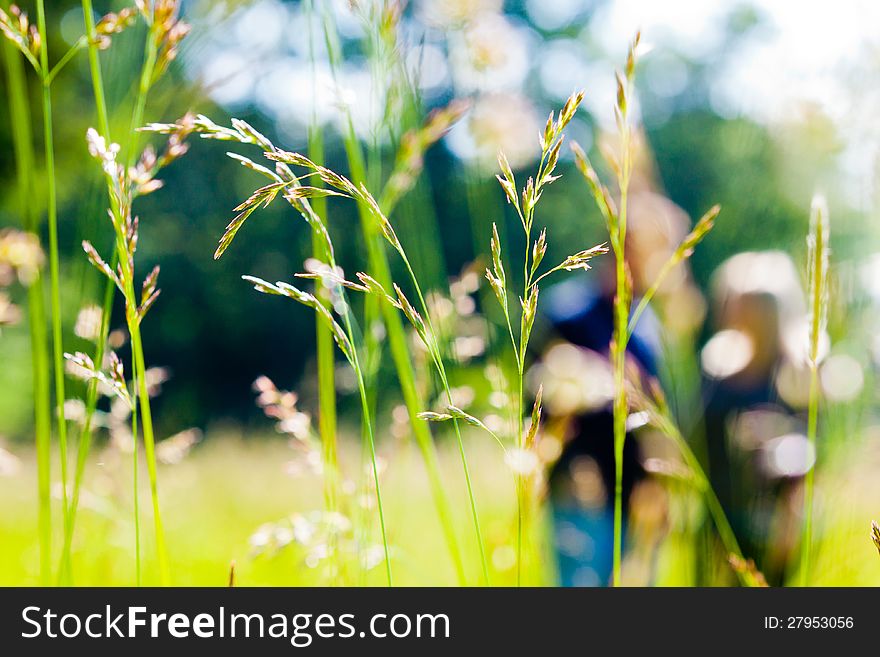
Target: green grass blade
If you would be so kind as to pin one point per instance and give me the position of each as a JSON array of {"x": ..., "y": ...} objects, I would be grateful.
[
  {"x": 85, "y": 436},
  {"x": 54, "y": 259},
  {"x": 22, "y": 139},
  {"x": 379, "y": 267}
]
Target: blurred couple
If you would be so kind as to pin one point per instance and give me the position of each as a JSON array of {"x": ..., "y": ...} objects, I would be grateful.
[{"x": 739, "y": 413}]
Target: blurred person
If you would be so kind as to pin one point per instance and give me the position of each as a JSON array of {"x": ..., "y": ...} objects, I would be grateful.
[
  {"x": 578, "y": 395},
  {"x": 757, "y": 450}
]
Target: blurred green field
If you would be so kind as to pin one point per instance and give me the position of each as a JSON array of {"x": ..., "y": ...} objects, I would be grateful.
[{"x": 218, "y": 497}]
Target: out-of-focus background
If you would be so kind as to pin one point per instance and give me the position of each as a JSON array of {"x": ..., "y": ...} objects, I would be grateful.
[{"x": 756, "y": 106}]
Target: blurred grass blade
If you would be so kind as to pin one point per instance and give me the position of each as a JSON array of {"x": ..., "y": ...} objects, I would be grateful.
[{"x": 22, "y": 141}]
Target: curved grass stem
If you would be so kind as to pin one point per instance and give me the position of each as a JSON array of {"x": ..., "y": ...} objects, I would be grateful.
[
  {"x": 713, "y": 504},
  {"x": 437, "y": 357}
]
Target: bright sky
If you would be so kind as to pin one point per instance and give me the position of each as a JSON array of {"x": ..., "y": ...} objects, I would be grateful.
[
  {"x": 799, "y": 54},
  {"x": 827, "y": 54}
]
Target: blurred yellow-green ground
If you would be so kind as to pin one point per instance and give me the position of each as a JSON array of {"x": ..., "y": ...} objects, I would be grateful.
[{"x": 216, "y": 499}]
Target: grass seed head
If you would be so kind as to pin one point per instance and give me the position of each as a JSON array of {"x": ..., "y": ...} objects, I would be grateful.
[
  {"x": 251, "y": 133},
  {"x": 458, "y": 414},
  {"x": 113, "y": 380},
  {"x": 288, "y": 157},
  {"x": 600, "y": 193},
  {"x": 875, "y": 534},
  {"x": 100, "y": 264},
  {"x": 413, "y": 145},
  {"x": 545, "y": 138},
  {"x": 553, "y": 129},
  {"x": 384, "y": 224},
  {"x": 497, "y": 288},
  {"x": 166, "y": 31},
  {"x": 528, "y": 197},
  {"x": 547, "y": 176},
  {"x": 621, "y": 94},
  {"x": 536, "y": 419},
  {"x": 431, "y": 416},
  {"x": 570, "y": 107},
  {"x": 505, "y": 166},
  {"x": 496, "y": 276},
  {"x": 105, "y": 153},
  {"x": 287, "y": 290},
  {"x": 527, "y": 322},
  {"x": 818, "y": 262},
  {"x": 632, "y": 55},
  {"x": 748, "y": 568},
  {"x": 149, "y": 292},
  {"x": 509, "y": 190},
  {"x": 702, "y": 228},
  {"x": 539, "y": 250},
  {"x": 303, "y": 191},
  {"x": 113, "y": 23},
  {"x": 497, "y": 262},
  {"x": 248, "y": 163},
  {"x": 16, "y": 27},
  {"x": 507, "y": 181},
  {"x": 581, "y": 259},
  {"x": 411, "y": 314},
  {"x": 20, "y": 257}
]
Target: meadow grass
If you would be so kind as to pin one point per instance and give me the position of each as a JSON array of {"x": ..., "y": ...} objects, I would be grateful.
[
  {"x": 85, "y": 435},
  {"x": 32, "y": 42},
  {"x": 625, "y": 317},
  {"x": 449, "y": 477},
  {"x": 324, "y": 349},
  {"x": 54, "y": 259},
  {"x": 617, "y": 229},
  {"x": 25, "y": 168},
  {"x": 164, "y": 34},
  {"x": 525, "y": 202},
  {"x": 286, "y": 184},
  {"x": 346, "y": 340},
  {"x": 817, "y": 270},
  {"x": 653, "y": 403},
  {"x": 379, "y": 267}
]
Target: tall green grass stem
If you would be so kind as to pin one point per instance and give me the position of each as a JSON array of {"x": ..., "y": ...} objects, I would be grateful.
[
  {"x": 809, "y": 485},
  {"x": 378, "y": 263},
  {"x": 106, "y": 306},
  {"x": 54, "y": 264},
  {"x": 621, "y": 335},
  {"x": 23, "y": 147},
  {"x": 325, "y": 348}
]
